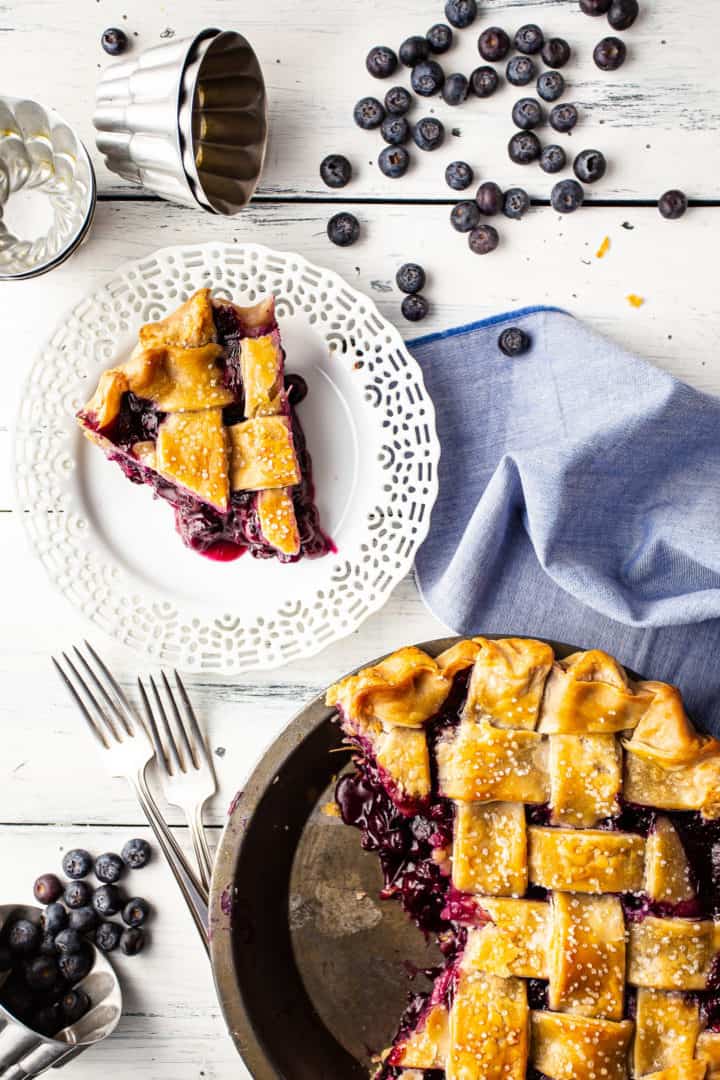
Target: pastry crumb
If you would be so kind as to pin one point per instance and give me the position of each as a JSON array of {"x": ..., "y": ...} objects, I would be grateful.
[
  {"x": 331, "y": 809},
  {"x": 603, "y": 249},
  {"x": 634, "y": 300}
]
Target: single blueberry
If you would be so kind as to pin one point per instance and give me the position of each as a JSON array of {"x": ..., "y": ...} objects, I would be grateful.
[
  {"x": 393, "y": 161},
  {"x": 107, "y": 936},
  {"x": 517, "y": 203},
  {"x": 381, "y": 62},
  {"x": 528, "y": 114},
  {"x": 414, "y": 307},
  {"x": 455, "y": 89},
  {"x": 410, "y": 278},
  {"x": 520, "y": 70},
  {"x": 413, "y": 50},
  {"x": 135, "y": 911},
  {"x": 46, "y": 1020},
  {"x": 553, "y": 159},
  {"x": 589, "y": 166},
  {"x": 483, "y": 239},
  {"x": 368, "y": 113},
  {"x": 395, "y": 130},
  {"x": 77, "y": 863},
  {"x": 133, "y": 941},
  {"x": 595, "y": 7},
  {"x": 464, "y": 216},
  {"x": 54, "y": 918},
  {"x": 513, "y": 341},
  {"x": 75, "y": 966},
  {"x": 47, "y": 889},
  {"x": 563, "y": 118},
  {"x": 109, "y": 868},
  {"x": 427, "y": 78},
  {"x": 567, "y": 196},
  {"x": 484, "y": 81},
  {"x": 22, "y": 936},
  {"x": 556, "y": 52},
  {"x": 397, "y": 100},
  {"x": 68, "y": 941},
  {"x": 336, "y": 172},
  {"x": 459, "y": 175},
  {"x": 107, "y": 900},
  {"x": 550, "y": 85},
  {"x": 17, "y": 998},
  {"x": 77, "y": 894},
  {"x": 524, "y": 147},
  {"x": 42, "y": 973},
  {"x": 461, "y": 13},
  {"x": 610, "y": 53},
  {"x": 440, "y": 38},
  {"x": 47, "y": 945},
  {"x": 114, "y": 41},
  {"x": 493, "y": 44},
  {"x": 673, "y": 204},
  {"x": 623, "y": 13},
  {"x": 429, "y": 133},
  {"x": 73, "y": 1005},
  {"x": 84, "y": 919},
  {"x": 529, "y": 39},
  {"x": 489, "y": 198}
]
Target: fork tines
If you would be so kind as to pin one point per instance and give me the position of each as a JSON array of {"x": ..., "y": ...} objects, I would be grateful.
[
  {"x": 186, "y": 752},
  {"x": 110, "y": 717}
]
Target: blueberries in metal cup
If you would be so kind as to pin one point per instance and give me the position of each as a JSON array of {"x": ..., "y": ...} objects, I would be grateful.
[
  {"x": 516, "y": 203},
  {"x": 410, "y": 278},
  {"x": 336, "y": 172},
  {"x": 68, "y": 941},
  {"x": 73, "y": 1005},
  {"x": 114, "y": 41},
  {"x": 107, "y": 936},
  {"x": 464, "y": 216},
  {"x": 42, "y": 973},
  {"x": 107, "y": 900},
  {"x": 524, "y": 147},
  {"x": 520, "y": 70},
  {"x": 623, "y": 13},
  {"x": 22, "y": 936},
  {"x": 550, "y": 85},
  {"x": 483, "y": 239},
  {"x": 109, "y": 868},
  {"x": 136, "y": 853},
  {"x": 595, "y": 7},
  {"x": 489, "y": 198},
  {"x": 395, "y": 130},
  {"x": 414, "y": 307},
  {"x": 484, "y": 81},
  {"x": 461, "y": 13},
  {"x": 76, "y": 965},
  {"x": 54, "y": 918},
  {"x": 555, "y": 52},
  {"x": 394, "y": 161},
  {"x": 77, "y": 894},
  {"x": 133, "y": 941},
  {"x": 493, "y": 44},
  {"x": 513, "y": 341},
  {"x": 84, "y": 919},
  {"x": 47, "y": 889},
  {"x": 77, "y": 863},
  {"x": 673, "y": 204},
  {"x": 529, "y": 39},
  {"x": 368, "y": 113},
  {"x": 528, "y": 113},
  {"x": 381, "y": 62},
  {"x": 343, "y": 229},
  {"x": 427, "y": 78},
  {"x": 398, "y": 100},
  {"x": 455, "y": 89},
  {"x": 610, "y": 53},
  {"x": 135, "y": 911},
  {"x": 563, "y": 118},
  {"x": 429, "y": 133},
  {"x": 459, "y": 175},
  {"x": 439, "y": 38},
  {"x": 567, "y": 196},
  {"x": 590, "y": 166},
  {"x": 413, "y": 50},
  {"x": 553, "y": 159}
]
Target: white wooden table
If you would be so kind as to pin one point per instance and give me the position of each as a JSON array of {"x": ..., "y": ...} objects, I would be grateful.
[{"x": 657, "y": 120}]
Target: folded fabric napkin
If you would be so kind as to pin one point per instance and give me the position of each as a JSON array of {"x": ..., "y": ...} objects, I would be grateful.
[{"x": 578, "y": 500}]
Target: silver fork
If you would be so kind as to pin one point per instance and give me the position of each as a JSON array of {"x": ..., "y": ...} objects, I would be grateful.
[
  {"x": 128, "y": 752},
  {"x": 186, "y": 770}
]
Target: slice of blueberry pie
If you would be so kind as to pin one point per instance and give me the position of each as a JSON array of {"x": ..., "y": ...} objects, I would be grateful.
[
  {"x": 557, "y": 825},
  {"x": 203, "y": 413}
]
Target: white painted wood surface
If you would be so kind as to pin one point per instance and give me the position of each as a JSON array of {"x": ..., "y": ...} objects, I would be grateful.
[{"x": 657, "y": 120}]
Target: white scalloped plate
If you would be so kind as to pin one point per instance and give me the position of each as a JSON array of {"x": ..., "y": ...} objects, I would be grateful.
[{"x": 113, "y": 550}]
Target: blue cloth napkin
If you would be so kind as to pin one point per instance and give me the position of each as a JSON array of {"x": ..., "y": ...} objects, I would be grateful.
[{"x": 578, "y": 500}]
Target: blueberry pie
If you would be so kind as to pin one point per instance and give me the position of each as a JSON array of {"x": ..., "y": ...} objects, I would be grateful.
[
  {"x": 556, "y": 824},
  {"x": 203, "y": 413}
]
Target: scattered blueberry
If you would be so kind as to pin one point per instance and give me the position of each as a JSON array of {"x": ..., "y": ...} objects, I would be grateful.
[
  {"x": 23, "y": 936},
  {"x": 398, "y": 100},
  {"x": 439, "y": 38},
  {"x": 77, "y": 863},
  {"x": 520, "y": 70},
  {"x": 393, "y": 162},
  {"x": 47, "y": 945},
  {"x": 68, "y": 941},
  {"x": 493, "y": 44},
  {"x": 563, "y": 118},
  {"x": 484, "y": 81},
  {"x": 84, "y": 919},
  {"x": 73, "y": 1005},
  {"x": 47, "y": 889},
  {"x": 528, "y": 114},
  {"x": 107, "y": 900},
  {"x": 381, "y": 62},
  {"x": 610, "y": 53},
  {"x": 556, "y": 52},
  {"x": 464, "y": 216},
  {"x": 461, "y": 13},
  {"x": 524, "y": 147},
  {"x": 459, "y": 175},
  {"x": 553, "y": 159},
  {"x": 413, "y": 50},
  {"x": 368, "y": 113},
  {"x": 107, "y": 936},
  {"x": 595, "y": 7},
  {"x": 513, "y": 341},
  {"x": 42, "y": 973},
  {"x": 77, "y": 894},
  {"x": 136, "y": 853},
  {"x": 135, "y": 911},
  {"x": 516, "y": 203},
  {"x": 589, "y": 166},
  {"x": 335, "y": 170},
  {"x": 429, "y": 133},
  {"x": 567, "y": 196},
  {"x": 414, "y": 307},
  {"x": 46, "y": 1020},
  {"x": 427, "y": 78},
  {"x": 133, "y": 940},
  {"x": 342, "y": 229},
  {"x": 114, "y": 41},
  {"x": 623, "y": 13},
  {"x": 673, "y": 204},
  {"x": 109, "y": 868},
  {"x": 76, "y": 965},
  {"x": 550, "y": 85},
  {"x": 54, "y": 918},
  {"x": 483, "y": 239},
  {"x": 489, "y": 198},
  {"x": 395, "y": 130},
  {"x": 455, "y": 89},
  {"x": 529, "y": 39},
  {"x": 410, "y": 278}
]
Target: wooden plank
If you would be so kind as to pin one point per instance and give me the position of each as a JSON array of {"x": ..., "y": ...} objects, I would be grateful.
[{"x": 656, "y": 118}]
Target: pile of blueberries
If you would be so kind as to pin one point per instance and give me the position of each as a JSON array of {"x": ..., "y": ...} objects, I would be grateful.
[{"x": 46, "y": 961}]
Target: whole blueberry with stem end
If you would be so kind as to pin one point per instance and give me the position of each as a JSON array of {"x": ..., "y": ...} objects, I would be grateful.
[
  {"x": 107, "y": 936},
  {"x": 513, "y": 341},
  {"x": 109, "y": 868},
  {"x": 516, "y": 203},
  {"x": 107, "y": 900},
  {"x": 393, "y": 162},
  {"x": 567, "y": 196},
  {"x": 529, "y": 39},
  {"x": 398, "y": 100},
  {"x": 136, "y": 853},
  {"x": 73, "y": 1005},
  {"x": 77, "y": 863},
  {"x": 77, "y": 894},
  {"x": 623, "y": 13},
  {"x": 673, "y": 204},
  {"x": 520, "y": 70},
  {"x": 528, "y": 114},
  {"x": 22, "y": 936},
  {"x": 427, "y": 78},
  {"x": 524, "y": 147},
  {"x": 83, "y": 919},
  {"x": 413, "y": 50},
  {"x": 75, "y": 966},
  {"x": 68, "y": 941},
  {"x": 133, "y": 941},
  {"x": 381, "y": 62},
  {"x": 410, "y": 278},
  {"x": 590, "y": 166},
  {"x": 439, "y": 38},
  {"x": 135, "y": 911},
  {"x": 484, "y": 81},
  {"x": 563, "y": 118},
  {"x": 343, "y": 229},
  {"x": 455, "y": 89},
  {"x": 555, "y": 52},
  {"x": 336, "y": 172},
  {"x": 595, "y": 7},
  {"x": 429, "y": 133},
  {"x": 465, "y": 215},
  {"x": 114, "y": 41},
  {"x": 54, "y": 918},
  {"x": 414, "y": 307},
  {"x": 42, "y": 973},
  {"x": 461, "y": 13},
  {"x": 610, "y": 53},
  {"x": 493, "y": 44},
  {"x": 459, "y": 175},
  {"x": 489, "y": 198},
  {"x": 395, "y": 130},
  {"x": 47, "y": 889},
  {"x": 368, "y": 113},
  {"x": 483, "y": 239},
  {"x": 553, "y": 159},
  {"x": 550, "y": 85}
]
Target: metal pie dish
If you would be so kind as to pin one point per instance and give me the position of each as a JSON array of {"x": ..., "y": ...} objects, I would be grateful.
[{"x": 310, "y": 966}]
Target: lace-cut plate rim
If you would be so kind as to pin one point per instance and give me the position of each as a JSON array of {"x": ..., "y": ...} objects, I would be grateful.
[{"x": 113, "y": 551}]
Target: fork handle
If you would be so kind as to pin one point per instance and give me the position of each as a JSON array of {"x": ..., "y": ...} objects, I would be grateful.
[{"x": 203, "y": 857}]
